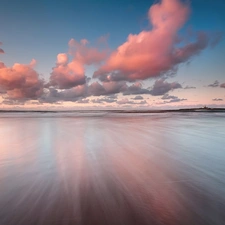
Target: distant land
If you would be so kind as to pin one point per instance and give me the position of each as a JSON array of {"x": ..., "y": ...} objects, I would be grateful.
[{"x": 203, "y": 109}]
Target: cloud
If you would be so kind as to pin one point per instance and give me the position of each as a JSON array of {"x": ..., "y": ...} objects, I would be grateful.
[
  {"x": 215, "y": 84},
  {"x": 67, "y": 74},
  {"x": 106, "y": 88},
  {"x": 149, "y": 54},
  {"x": 171, "y": 99},
  {"x": 1, "y": 50},
  {"x": 84, "y": 54},
  {"x": 189, "y": 87},
  {"x": 135, "y": 89},
  {"x": 161, "y": 87},
  {"x": 126, "y": 101},
  {"x": 20, "y": 81},
  {"x": 113, "y": 87},
  {"x": 177, "y": 100},
  {"x": 166, "y": 96},
  {"x": 138, "y": 97},
  {"x": 107, "y": 99},
  {"x": 222, "y": 85},
  {"x": 217, "y": 99},
  {"x": 12, "y": 102},
  {"x": 83, "y": 101},
  {"x": 52, "y": 95},
  {"x": 154, "y": 52}
]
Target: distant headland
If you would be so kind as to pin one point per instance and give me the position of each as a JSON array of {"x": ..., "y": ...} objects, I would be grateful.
[{"x": 202, "y": 109}]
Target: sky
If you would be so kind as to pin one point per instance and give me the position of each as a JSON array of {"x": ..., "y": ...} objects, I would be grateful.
[{"x": 97, "y": 54}]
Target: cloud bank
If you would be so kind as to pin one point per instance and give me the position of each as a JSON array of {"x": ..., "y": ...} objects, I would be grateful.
[{"x": 151, "y": 54}]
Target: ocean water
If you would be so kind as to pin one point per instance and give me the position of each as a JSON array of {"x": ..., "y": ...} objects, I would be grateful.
[{"x": 112, "y": 168}]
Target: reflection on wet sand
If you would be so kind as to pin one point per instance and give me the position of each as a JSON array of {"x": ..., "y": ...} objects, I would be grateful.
[{"x": 154, "y": 169}]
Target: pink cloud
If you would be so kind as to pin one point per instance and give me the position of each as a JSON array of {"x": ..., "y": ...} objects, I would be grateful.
[
  {"x": 85, "y": 54},
  {"x": 20, "y": 81},
  {"x": 67, "y": 74},
  {"x": 152, "y": 53}
]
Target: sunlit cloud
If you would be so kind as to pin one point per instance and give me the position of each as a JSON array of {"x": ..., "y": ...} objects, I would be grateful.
[
  {"x": 154, "y": 52},
  {"x": 67, "y": 74},
  {"x": 20, "y": 81}
]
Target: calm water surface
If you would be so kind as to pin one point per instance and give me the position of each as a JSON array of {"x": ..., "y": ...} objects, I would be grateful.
[{"x": 119, "y": 169}]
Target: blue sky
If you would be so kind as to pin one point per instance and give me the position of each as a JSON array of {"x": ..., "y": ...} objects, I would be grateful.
[{"x": 41, "y": 30}]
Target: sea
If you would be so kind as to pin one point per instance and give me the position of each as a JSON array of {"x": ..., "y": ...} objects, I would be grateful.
[{"x": 112, "y": 168}]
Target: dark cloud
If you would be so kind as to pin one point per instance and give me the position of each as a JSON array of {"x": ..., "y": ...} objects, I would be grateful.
[
  {"x": 52, "y": 95},
  {"x": 113, "y": 87},
  {"x": 185, "y": 53},
  {"x": 138, "y": 97},
  {"x": 171, "y": 99},
  {"x": 106, "y": 88},
  {"x": 161, "y": 87},
  {"x": 177, "y": 100},
  {"x": 1, "y": 50},
  {"x": 217, "y": 99},
  {"x": 135, "y": 89},
  {"x": 189, "y": 87},
  {"x": 113, "y": 96},
  {"x": 215, "y": 84},
  {"x": 166, "y": 96}
]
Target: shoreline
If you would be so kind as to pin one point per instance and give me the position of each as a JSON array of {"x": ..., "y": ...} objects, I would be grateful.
[{"x": 118, "y": 111}]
